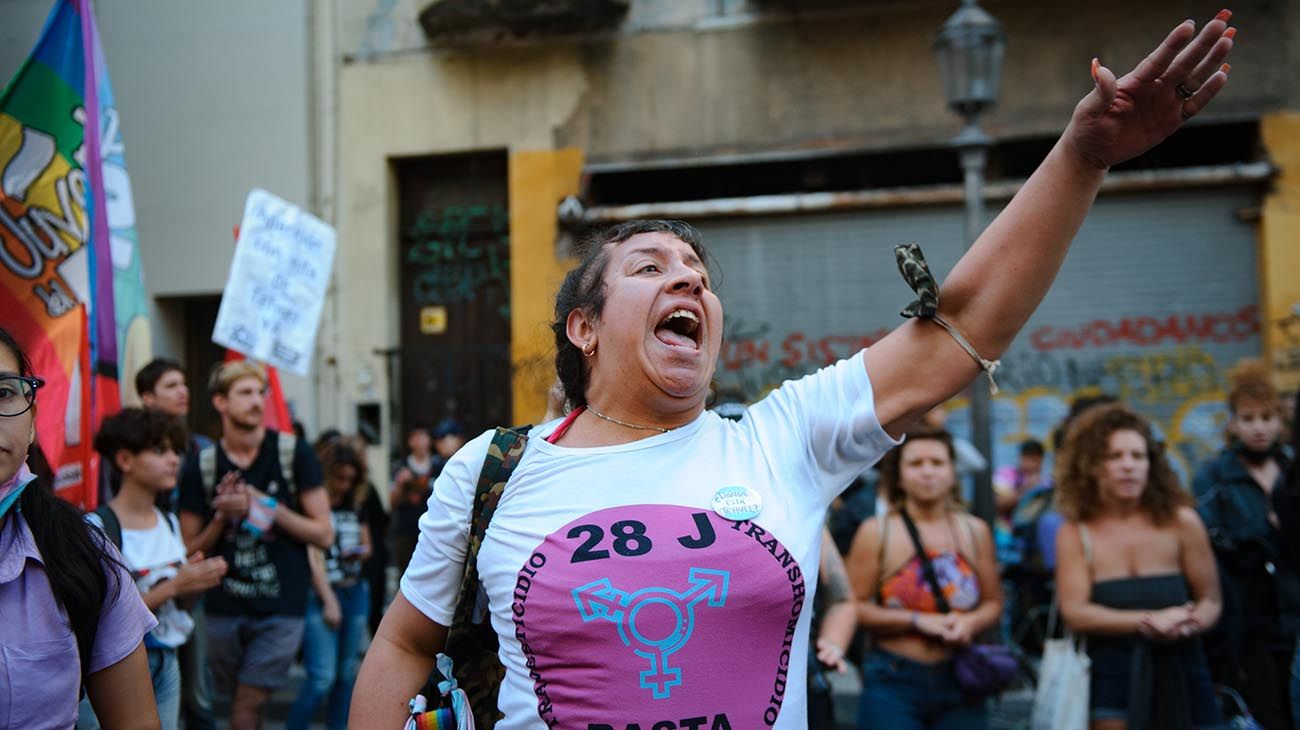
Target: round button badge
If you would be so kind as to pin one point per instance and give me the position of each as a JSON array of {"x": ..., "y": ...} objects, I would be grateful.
[{"x": 737, "y": 503}]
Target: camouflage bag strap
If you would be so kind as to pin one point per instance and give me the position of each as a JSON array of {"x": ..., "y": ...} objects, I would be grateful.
[
  {"x": 471, "y": 641},
  {"x": 911, "y": 264}
]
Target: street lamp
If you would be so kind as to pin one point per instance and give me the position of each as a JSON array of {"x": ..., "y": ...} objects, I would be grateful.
[{"x": 970, "y": 46}]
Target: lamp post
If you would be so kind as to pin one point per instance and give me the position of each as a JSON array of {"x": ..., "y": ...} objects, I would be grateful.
[{"x": 970, "y": 46}]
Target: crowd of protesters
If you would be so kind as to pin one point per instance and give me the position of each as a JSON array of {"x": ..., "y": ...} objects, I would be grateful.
[
  {"x": 1179, "y": 591},
  {"x": 1190, "y": 594},
  {"x": 214, "y": 565}
]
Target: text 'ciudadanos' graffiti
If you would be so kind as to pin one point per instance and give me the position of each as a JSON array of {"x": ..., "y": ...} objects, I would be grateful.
[
  {"x": 1146, "y": 357},
  {"x": 1144, "y": 331},
  {"x": 1171, "y": 365}
]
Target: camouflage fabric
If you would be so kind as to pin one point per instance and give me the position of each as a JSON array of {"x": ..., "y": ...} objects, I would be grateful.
[
  {"x": 911, "y": 264},
  {"x": 471, "y": 641}
]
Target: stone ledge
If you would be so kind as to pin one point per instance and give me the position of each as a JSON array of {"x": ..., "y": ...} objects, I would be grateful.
[{"x": 460, "y": 22}]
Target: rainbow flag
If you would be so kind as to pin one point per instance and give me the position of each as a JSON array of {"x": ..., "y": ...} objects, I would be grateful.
[{"x": 71, "y": 285}]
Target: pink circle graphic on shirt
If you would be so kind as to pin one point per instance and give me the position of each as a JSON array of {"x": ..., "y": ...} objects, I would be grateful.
[{"x": 659, "y": 616}]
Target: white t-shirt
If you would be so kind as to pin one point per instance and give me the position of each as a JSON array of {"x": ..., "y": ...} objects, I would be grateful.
[
  {"x": 622, "y": 598},
  {"x": 153, "y": 555}
]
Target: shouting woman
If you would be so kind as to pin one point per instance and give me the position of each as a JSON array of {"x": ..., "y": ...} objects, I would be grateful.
[{"x": 650, "y": 562}]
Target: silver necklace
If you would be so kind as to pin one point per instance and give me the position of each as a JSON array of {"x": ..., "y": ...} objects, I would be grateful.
[{"x": 625, "y": 424}]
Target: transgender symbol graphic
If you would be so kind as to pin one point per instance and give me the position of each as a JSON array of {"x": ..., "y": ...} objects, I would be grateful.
[{"x": 600, "y": 600}]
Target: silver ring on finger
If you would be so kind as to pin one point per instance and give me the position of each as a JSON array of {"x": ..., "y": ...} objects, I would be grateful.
[{"x": 1184, "y": 92}]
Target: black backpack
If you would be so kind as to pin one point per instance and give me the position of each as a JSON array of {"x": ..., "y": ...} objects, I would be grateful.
[{"x": 113, "y": 526}]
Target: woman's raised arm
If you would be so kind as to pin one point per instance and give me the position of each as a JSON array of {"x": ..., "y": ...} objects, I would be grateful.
[{"x": 996, "y": 286}]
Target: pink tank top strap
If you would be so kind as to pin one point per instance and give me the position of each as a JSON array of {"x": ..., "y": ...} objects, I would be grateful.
[{"x": 560, "y": 430}]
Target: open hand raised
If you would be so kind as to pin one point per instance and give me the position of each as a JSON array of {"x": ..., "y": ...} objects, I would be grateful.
[{"x": 1122, "y": 118}]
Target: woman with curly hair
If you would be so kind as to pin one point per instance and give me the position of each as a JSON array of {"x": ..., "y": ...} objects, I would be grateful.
[
  {"x": 909, "y": 679},
  {"x": 1135, "y": 574}
]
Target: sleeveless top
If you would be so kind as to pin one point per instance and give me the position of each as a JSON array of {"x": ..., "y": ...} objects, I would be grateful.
[{"x": 907, "y": 587}]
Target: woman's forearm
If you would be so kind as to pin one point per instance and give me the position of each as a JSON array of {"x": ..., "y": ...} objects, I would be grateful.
[
  {"x": 390, "y": 676},
  {"x": 397, "y": 663},
  {"x": 987, "y": 615},
  {"x": 1207, "y": 612},
  {"x": 840, "y": 622},
  {"x": 319, "y": 579},
  {"x": 995, "y": 287},
  {"x": 885, "y": 621},
  {"x": 1093, "y": 618}
]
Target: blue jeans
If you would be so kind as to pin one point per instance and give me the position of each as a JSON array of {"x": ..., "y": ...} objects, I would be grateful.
[
  {"x": 902, "y": 694},
  {"x": 165, "y": 671},
  {"x": 332, "y": 657}
]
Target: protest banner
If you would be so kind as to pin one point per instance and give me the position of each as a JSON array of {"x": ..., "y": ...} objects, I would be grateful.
[{"x": 271, "y": 306}]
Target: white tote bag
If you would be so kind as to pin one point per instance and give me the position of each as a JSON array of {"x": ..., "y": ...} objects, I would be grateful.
[{"x": 1061, "y": 700}]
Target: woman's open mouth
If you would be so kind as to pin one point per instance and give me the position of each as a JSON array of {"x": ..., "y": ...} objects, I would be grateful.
[{"x": 681, "y": 328}]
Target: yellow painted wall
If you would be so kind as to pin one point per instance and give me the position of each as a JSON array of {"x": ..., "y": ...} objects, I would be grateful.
[
  {"x": 538, "y": 181},
  {"x": 1279, "y": 250}
]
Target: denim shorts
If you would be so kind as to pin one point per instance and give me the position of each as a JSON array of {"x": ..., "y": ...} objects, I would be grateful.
[{"x": 257, "y": 652}]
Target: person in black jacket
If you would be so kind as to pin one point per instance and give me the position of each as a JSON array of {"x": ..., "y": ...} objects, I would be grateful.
[
  {"x": 1286, "y": 505},
  {"x": 1252, "y": 648}
]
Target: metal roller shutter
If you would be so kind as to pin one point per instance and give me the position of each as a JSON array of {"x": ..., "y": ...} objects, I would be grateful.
[{"x": 1156, "y": 302}]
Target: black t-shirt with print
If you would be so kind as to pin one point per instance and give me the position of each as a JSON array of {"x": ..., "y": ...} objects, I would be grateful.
[
  {"x": 266, "y": 575},
  {"x": 341, "y": 567}
]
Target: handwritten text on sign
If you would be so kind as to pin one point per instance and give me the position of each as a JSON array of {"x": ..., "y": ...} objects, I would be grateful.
[{"x": 271, "y": 306}]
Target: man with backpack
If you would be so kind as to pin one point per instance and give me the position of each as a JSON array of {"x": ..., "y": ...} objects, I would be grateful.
[
  {"x": 256, "y": 499},
  {"x": 144, "y": 446}
]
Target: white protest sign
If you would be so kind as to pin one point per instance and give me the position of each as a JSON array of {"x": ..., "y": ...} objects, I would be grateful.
[{"x": 271, "y": 306}]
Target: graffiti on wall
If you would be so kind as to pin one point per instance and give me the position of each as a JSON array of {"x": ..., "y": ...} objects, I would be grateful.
[
  {"x": 1286, "y": 353},
  {"x": 458, "y": 252},
  {"x": 1170, "y": 367}
]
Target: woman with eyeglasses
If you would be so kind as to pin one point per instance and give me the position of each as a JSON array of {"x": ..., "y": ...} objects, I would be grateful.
[{"x": 71, "y": 615}]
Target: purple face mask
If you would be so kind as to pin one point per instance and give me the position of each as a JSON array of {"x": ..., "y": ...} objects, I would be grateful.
[{"x": 11, "y": 490}]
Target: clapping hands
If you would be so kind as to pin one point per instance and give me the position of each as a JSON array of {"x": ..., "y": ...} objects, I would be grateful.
[
  {"x": 198, "y": 574},
  {"x": 232, "y": 497}
]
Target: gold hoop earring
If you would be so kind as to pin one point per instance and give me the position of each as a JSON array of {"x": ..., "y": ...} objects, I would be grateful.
[{"x": 589, "y": 352}]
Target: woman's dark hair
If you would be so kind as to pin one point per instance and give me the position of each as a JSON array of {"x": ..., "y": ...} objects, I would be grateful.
[
  {"x": 891, "y": 466},
  {"x": 341, "y": 453},
  {"x": 584, "y": 288},
  {"x": 79, "y": 567},
  {"x": 137, "y": 429}
]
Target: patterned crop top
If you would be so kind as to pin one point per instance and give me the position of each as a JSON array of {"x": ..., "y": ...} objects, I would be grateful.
[{"x": 907, "y": 587}]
